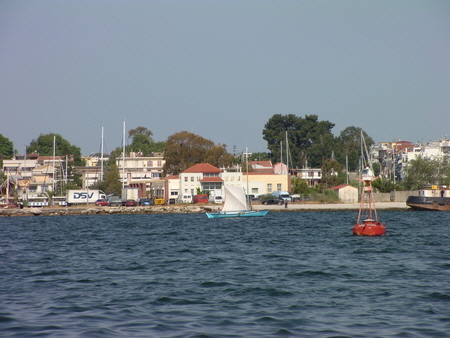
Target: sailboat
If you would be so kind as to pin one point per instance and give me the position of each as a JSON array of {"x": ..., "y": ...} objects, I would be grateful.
[
  {"x": 367, "y": 222},
  {"x": 235, "y": 205}
]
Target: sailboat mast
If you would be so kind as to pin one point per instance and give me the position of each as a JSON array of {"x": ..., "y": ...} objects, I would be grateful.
[
  {"x": 54, "y": 163},
  {"x": 281, "y": 151},
  {"x": 287, "y": 162},
  {"x": 101, "y": 158},
  {"x": 123, "y": 157},
  {"x": 248, "y": 192}
]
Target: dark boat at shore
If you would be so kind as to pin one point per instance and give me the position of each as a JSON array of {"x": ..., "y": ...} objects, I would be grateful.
[{"x": 430, "y": 199}]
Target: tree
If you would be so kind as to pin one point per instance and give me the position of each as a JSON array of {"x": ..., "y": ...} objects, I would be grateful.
[
  {"x": 142, "y": 141},
  {"x": 326, "y": 148},
  {"x": 385, "y": 185},
  {"x": 260, "y": 156},
  {"x": 423, "y": 172},
  {"x": 330, "y": 173},
  {"x": 310, "y": 141},
  {"x": 140, "y": 131},
  {"x": 218, "y": 156},
  {"x": 350, "y": 139},
  {"x": 112, "y": 184},
  {"x": 44, "y": 146},
  {"x": 184, "y": 149},
  {"x": 6, "y": 149},
  {"x": 299, "y": 186}
]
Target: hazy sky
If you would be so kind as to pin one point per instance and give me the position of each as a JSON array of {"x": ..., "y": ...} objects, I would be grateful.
[{"x": 221, "y": 69}]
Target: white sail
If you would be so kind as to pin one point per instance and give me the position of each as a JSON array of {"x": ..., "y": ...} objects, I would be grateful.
[{"x": 234, "y": 199}]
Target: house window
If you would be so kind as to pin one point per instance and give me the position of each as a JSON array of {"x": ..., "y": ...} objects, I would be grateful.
[
  {"x": 185, "y": 179},
  {"x": 310, "y": 173},
  {"x": 210, "y": 174},
  {"x": 212, "y": 185},
  {"x": 192, "y": 179},
  {"x": 269, "y": 187},
  {"x": 254, "y": 190},
  {"x": 278, "y": 186}
]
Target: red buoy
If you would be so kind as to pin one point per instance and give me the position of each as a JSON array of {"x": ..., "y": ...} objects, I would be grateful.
[
  {"x": 369, "y": 228},
  {"x": 367, "y": 222}
]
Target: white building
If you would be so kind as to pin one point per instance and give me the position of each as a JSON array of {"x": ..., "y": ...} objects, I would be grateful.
[
  {"x": 347, "y": 193},
  {"x": 208, "y": 178}
]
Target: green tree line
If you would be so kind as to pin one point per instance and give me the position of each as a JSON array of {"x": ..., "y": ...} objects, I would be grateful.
[{"x": 310, "y": 143}]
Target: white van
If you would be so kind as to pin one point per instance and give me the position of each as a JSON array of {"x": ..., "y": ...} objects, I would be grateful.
[
  {"x": 283, "y": 195},
  {"x": 185, "y": 199},
  {"x": 215, "y": 199}
]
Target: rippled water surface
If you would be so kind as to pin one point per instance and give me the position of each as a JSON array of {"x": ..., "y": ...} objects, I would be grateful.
[{"x": 297, "y": 274}]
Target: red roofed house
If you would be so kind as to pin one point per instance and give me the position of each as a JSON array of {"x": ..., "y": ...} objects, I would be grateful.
[
  {"x": 203, "y": 176},
  {"x": 280, "y": 168},
  {"x": 262, "y": 166},
  {"x": 207, "y": 177},
  {"x": 347, "y": 193}
]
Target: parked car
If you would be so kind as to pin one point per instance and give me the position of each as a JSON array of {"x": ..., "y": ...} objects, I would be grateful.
[
  {"x": 102, "y": 202},
  {"x": 215, "y": 199},
  {"x": 129, "y": 203},
  {"x": 201, "y": 198},
  {"x": 274, "y": 200},
  {"x": 185, "y": 199},
  {"x": 284, "y": 195},
  {"x": 296, "y": 198},
  {"x": 114, "y": 200},
  {"x": 145, "y": 201},
  {"x": 270, "y": 199}
]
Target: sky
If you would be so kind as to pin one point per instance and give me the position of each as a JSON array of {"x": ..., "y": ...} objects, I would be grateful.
[{"x": 222, "y": 69}]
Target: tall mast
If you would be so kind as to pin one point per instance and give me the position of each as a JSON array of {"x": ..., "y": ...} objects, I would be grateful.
[
  {"x": 287, "y": 162},
  {"x": 54, "y": 164},
  {"x": 281, "y": 151},
  {"x": 123, "y": 157},
  {"x": 101, "y": 158},
  {"x": 248, "y": 192}
]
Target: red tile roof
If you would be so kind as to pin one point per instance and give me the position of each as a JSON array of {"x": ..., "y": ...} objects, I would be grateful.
[
  {"x": 202, "y": 168},
  {"x": 262, "y": 163},
  {"x": 341, "y": 186}
]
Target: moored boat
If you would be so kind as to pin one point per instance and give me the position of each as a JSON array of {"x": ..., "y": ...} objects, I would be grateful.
[{"x": 434, "y": 199}]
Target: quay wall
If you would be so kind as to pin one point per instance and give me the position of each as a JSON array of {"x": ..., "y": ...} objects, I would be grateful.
[{"x": 187, "y": 208}]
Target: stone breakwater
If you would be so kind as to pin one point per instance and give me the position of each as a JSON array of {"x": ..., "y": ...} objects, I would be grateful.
[
  {"x": 86, "y": 210},
  {"x": 187, "y": 208}
]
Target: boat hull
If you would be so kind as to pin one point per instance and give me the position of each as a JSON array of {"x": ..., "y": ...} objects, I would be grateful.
[
  {"x": 369, "y": 229},
  {"x": 428, "y": 203},
  {"x": 241, "y": 213}
]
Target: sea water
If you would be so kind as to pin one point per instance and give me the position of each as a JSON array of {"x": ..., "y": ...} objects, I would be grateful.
[{"x": 298, "y": 274}]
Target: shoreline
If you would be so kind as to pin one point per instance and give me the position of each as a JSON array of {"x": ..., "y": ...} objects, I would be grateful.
[{"x": 189, "y": 208}]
